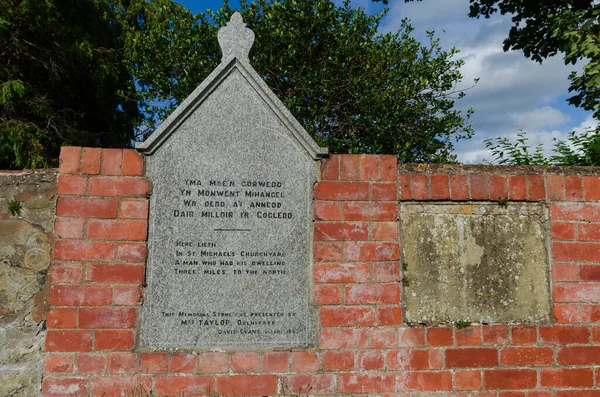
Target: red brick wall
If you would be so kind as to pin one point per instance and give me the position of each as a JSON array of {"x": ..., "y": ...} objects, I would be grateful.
[{"x": 364, "y": 349}]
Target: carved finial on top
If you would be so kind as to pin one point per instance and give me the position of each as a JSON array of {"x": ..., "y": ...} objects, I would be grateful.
[{"x": 235, "y": 39}]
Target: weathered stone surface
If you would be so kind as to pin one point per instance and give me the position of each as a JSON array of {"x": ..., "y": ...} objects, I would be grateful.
[
  {"x": 25, "y": 246},
  {"x": 475, "y": 262},
  {"x": 230, "y": 216}
]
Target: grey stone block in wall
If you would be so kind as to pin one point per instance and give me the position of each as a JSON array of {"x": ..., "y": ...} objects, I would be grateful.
[
  {"x": 475, "y": 262},
  {"x": 230, "y": 230}
]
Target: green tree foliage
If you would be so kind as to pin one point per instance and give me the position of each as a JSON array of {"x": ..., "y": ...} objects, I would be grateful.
[
  {"x": 62, "y": 80},
  {"x": 355, "y": 90},
  {"x": 577, "y": 150}
]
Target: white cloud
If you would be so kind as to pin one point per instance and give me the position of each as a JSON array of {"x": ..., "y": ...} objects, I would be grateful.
[{"x": 536, "y": 119}]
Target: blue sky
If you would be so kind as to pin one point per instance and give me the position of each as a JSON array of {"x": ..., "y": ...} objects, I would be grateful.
[{"x": 513, "y": 92}]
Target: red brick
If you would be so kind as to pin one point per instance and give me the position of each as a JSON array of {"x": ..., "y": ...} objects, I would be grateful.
[
  {"x": 353, "y": 338},
  {"x": 349, "y": 167},
  {"x": 536, "y": 190},
  {"x": 80, "y": 295},
  {"x": 91, "y": 363},
  {"x": 244, "y": 362},
  {"x": 327, "y": 211},
  {"x": 367, "y": 383},
  {"x": 596, "y": 337},
  {"x": 62, "y": 318},
  {"x": 471, "y": 358},
  {"x": 470, "y": 336},
  {"x": 555, "y": 185},
  {"x": 183, "y": 363},
  {"x": 305, "y": 362},
  {"x": 341, "y": 273},
  {"x": 327, "y": 252},
  {"x": 211, "y": 363},
  {"x": 364, "y": 294},
  {"x": 347, "y": 316},
  {"x": 591, "y": 188},
  {"x": 440, "y": 187},
  {"x": 565, "y": 271},
  {"x": 153, "y": 363},
  {"x": 576, "y": 212},
  {"x": 498, "y": 187},
  {"x": 133, "y": 163},
  {"x": 411, "y": 337},
  {"x": 276, "y": 362},
  {"x": 370, "y": 211},
  {"x": 590, "y": 313},
  {"x": 59, "y": 364},
  {"x": 578, "y": 393},
  {"x": 517, "y": 187},
  {"x": 117, "y": 229},
  {"x": 120, "y": 274},
  {"x": 338, "y": 361},
  {"x": 524, "y": 335},
  {"x": 577, "y": 293},
  {"x": 68, "y": 228},
  {"x": 371, "y": 251},
  {"x": 330, "y": 168},
  {"x": 247, "y": 385},
  {"x": 384, "y": 191},
  {"x": 114, "y": 340},
  {"x": 439, "y": 337},
  {"x": 389, "y": 316},
  {"x": 66, "y": 273},
  {"x": 369, "y": 167},
  {"x": 70, "y": 157},
  {"x": 467, "y": 380},
  {"x": 184, "y": 385},
  {"x": 425, "y": 381},
  {"x": 61, "y": 387},
  {"x": 68, "y": 341},
  {"x": 567, "y": 377},
  {"x": 120, "y": 385},
  {"x": 90, "y": 161},
  {"x": 327, "y": 294},
  {"x": 304, "y": 384},
  {"x": 72, "y": 184},
  {"x": 459, "y": 187},
  {"x": 510, "y": 379},
  {"x": 574, "y": 188},
  {"x": 386, "y": 272},
  {"x": 381, "y": 338},
  {"x": 524, "y": 356},
  {"x": 83, "y": 207},
  {"x": 404, "y": 180},
  {"x": 578, "y": 355},
  {"x": 371, "y": 360},
  {"x": 589, "y": 232},
  {"x": 118, "y": 187},
  {"x": 385, "y": 231},
  {"x": 495, "y": 334},
  {"x": 563, "y": 231},
  {"x": 122, "y": 363},
  {"x": 341, "y": 191},
  {"x": 133, "y": 209},
  {"x": 480, "y": 189},
  {"x": 564, "y": 335},
  {"x": 388, "y": 167},
  {"x": 78, "y": 250},
  {"x": 112, "y": 162},
  {"x": 566, "y": 314},
  {"x": 132, "y": 252},
  {"x": 419, "y": 186},
  {"x": 107, "y": 317},
  {"x": 341, "y": 231},
  {"x": 329, "y": 338},
  {"x": 413, "y": 359}
]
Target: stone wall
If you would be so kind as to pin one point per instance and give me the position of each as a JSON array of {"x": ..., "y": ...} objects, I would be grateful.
[
  {"x": 26, "y": 241},
  {"x": 369, "y": 345}
]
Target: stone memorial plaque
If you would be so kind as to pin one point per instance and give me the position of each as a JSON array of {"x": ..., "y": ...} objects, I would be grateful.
[{"x": 230, "y": 234}]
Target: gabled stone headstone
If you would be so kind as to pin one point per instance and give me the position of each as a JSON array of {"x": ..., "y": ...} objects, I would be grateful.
[{"x": 230, "y": 215}]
